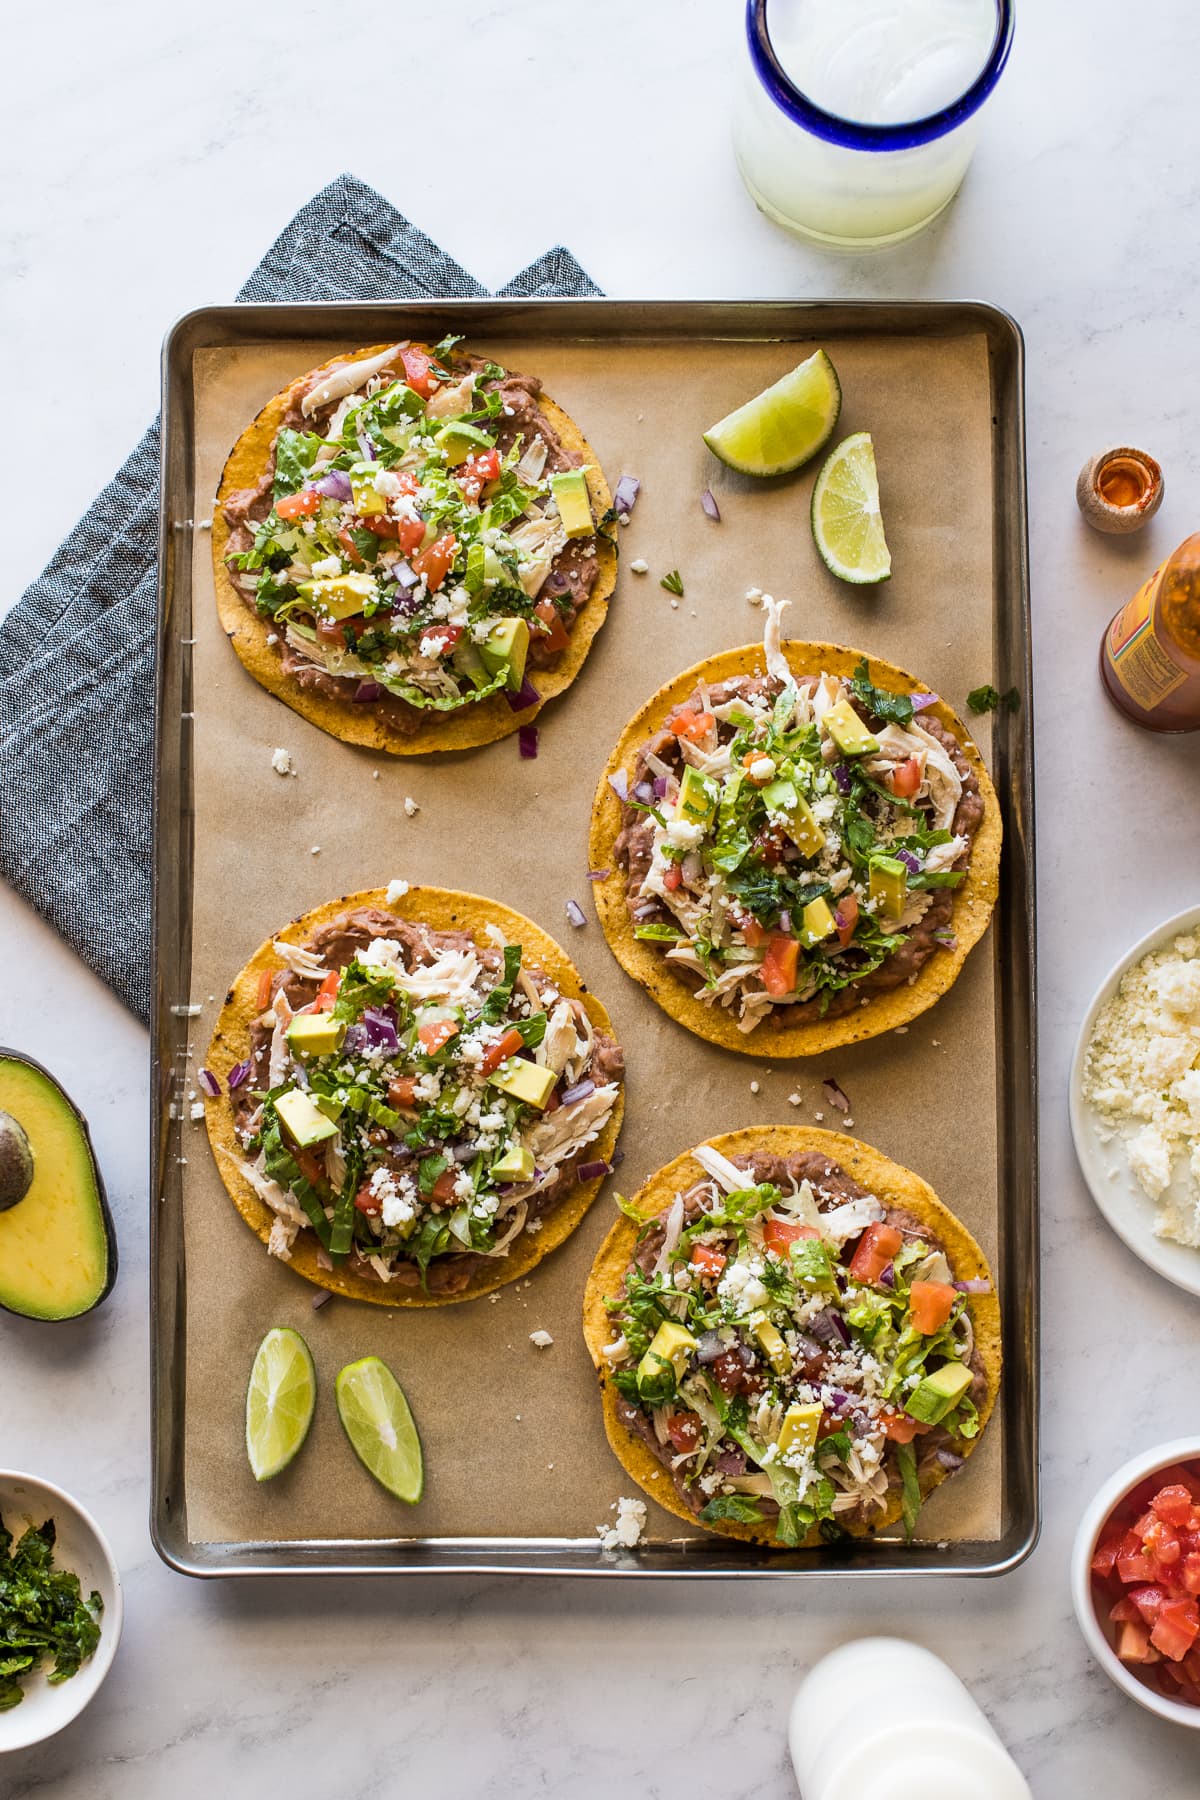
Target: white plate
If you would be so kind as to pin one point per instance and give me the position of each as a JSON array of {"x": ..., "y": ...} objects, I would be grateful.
[
  {"x": 1114, "y": 1188},
  {"x": 80, "y": 1545}
]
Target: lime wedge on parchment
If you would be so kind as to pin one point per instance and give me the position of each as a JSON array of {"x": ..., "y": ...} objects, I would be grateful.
[
  {"x": 372, "y": 1407},
  {"x": 279, "y": 1401},
  {"x": 846, "y": 521},
  {"x": 784, "y": 425}
]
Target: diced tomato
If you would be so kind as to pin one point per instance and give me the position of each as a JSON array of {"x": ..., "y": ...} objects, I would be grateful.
[
  {"x": 407, "y": 482},
  {"x": 1133, "y": 1643},
  {"x": 330, "y": 631},
  {"x": 367, "y": 1202},
  {"x": 310, "y": 1166},
  {"x": 691, "y": 725},
  {"x": 930, "y": 1304},
  {"x": 779, "y": 964},
  {"x": 707, "y": 1258},
  {"x": 1189, "y": 1573},
  {"x": 1123, "y": 1611},
  {"x": 732, "y": 1375},
  {"x": 830, "y": 1422},
  {"x": 1176, "y": 1628},
  {"x": 1162, "y": 1543},
  {"x": 434, "y": 564},
  {"x": 436, "y": 1033},
  {"x": 1104, "y": 1561},
  {"x": 755, "y": 934},
  {"x": 349, "y": 546},
  {"x": 900, "y": 1429},
  {"x": 402, "y": 1092},
  {"x": 298, "y": 506},
  {"x": 1173, "y": 1503},
  {"x": 410, "y": 534},
  {"x": 504, "y": 1047},
  {"x": 672, "y": 877},
  {"x": 441, "y": 638},
  {"x": 418, "y": 371},
  {"x": 263, "y": 996},
  {"x": 380, "y": 525},
  {"x": 1149, "y": 1601},
  {"x": 771, "y": 845},
  {"x": 474, "y": 475},
  {"x": 443, "y": 1188},
  {"x": 1134, "y": 1565},
  {"x": 847, "y": 918},
  {"x": 876, "y": 1248},
  {"x": 684, "y": 1430},
  {"x": 780, "y": 1234},
  {"x": 327, "y": 993},
  {"x": 905, "y": 778},
  {"x": 553, "y": 632}
]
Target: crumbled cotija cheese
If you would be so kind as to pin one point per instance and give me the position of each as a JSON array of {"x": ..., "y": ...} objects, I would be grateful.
[
  {"x": 1142, "y": 1079},
  {"x": 627, "y": 1531}
]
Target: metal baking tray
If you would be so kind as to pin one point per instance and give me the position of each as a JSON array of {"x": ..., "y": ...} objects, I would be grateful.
[{"x": 1012, "y": 941}]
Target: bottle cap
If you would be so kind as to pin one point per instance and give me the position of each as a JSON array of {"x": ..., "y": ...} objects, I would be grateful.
[{"x": 1119, "y": 489}]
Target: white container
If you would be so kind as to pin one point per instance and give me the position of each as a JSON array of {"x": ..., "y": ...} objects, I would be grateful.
[
  {"x": 855, "y": 124},
  {"x": 883, "y": 1719}
]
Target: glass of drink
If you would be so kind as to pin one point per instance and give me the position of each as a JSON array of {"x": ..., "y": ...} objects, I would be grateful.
[{"x": 857, "y": 118}]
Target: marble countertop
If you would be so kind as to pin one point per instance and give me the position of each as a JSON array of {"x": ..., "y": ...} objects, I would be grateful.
[{"x": 161, "y": 149}]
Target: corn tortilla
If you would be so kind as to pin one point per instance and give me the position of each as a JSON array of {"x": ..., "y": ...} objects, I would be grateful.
[
  {"x": 443, "y": 909},
  {"x": 974, "y": 899},
  {"x": 481, "y": 723},
  {"x": 892, "y": 1185}
]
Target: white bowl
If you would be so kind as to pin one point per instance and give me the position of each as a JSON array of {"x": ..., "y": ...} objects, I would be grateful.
[
  {"x": 1114, "y": 1187},
  {"x": 81, "y": 1546},
  {"x": 1182, "y": 1450}
]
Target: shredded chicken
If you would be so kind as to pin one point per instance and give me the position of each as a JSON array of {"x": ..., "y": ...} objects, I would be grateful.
[
  {"x": 347, "y": 378},
  {"x": 299, "y": 959}
]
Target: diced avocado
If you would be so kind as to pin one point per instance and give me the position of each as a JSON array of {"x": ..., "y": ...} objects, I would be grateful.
[
  {"x": 515, "y": 1165},
  {"x": 339, "y": 596},
  {"x": 507, "y": 642},
  {"x": 848, "y": 731},
  {"x": 469, "y": 663},
  {"x": 773, "y": 1346},
  {"x": 58, "y": 1254},
  {"x": 574, "y": 504},
  {"x": 660, "y": 1370},
  {"x": 939, "y": 1393},
  {"x": 330, "y": 1106},
  {"x": 368, "y": 501},
  {"x": 888, "y": 886},
  {"x": 800, "y": 1427},
  {"x": 527, "y": 1081},
  {"x": 304, "y": 1123},
  {"x": 782, "y": 797},
  {"x": 458, "y": 440},
  {"x": 817, "y": 923},
  {"x": 316, "y": 1034},
  {"x": 697, "y": 797}
]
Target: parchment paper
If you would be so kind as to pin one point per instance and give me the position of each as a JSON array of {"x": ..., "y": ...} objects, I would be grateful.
[{"x": 513, "y": 1439}]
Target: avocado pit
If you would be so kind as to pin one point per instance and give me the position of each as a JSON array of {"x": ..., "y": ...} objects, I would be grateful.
[{"x": 16, "y": 1162}]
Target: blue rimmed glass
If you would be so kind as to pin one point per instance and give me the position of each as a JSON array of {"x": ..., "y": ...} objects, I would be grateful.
[{"x": 857, "y": 181}]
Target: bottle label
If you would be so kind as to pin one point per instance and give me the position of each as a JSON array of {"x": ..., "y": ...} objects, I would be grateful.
[{"x": 1135, "y": 655}]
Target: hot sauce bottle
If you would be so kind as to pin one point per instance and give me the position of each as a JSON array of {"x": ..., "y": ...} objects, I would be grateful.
[{"x": 1150, "y": 656}]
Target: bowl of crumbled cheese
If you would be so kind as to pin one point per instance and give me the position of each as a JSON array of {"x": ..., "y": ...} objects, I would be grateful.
[{"x": 1135, "y": 1099}]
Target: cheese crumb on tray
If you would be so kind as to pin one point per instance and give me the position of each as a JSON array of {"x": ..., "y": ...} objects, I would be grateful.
[
  {"x": 627, "y": 1530},
  {"x": 1142, "y": 1079}
]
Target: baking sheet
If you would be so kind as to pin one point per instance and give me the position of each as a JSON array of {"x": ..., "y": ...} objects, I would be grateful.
[{"x": 513, "y": 1438}]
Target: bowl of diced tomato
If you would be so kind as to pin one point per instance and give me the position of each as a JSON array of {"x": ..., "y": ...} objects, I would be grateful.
[{"x": 1135, "y": 1580}]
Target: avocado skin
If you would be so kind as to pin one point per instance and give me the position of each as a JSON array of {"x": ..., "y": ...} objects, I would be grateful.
[
  {"x": 16, "y": 1161},
  {"x": 106, "y": 1218}
]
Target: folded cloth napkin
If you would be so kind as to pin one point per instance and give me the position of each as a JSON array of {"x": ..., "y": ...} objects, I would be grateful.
[{"x": 77, "y": 650}]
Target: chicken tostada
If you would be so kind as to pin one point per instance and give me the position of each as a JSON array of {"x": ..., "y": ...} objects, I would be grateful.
[
  {"x": 795, "y": 1339},
  {"x": 410, "y": 548},
  {"x": 410, "y": 1096},
  {"x": 795, "y": 848}
]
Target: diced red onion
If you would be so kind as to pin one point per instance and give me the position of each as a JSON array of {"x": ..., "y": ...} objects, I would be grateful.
[
  {"x": 921, "y": 701},
  {"x": 830, "y": 1327},
  {"x": 692, "y": 868},
  {"x": 946, "y": 938},
  {"x": 912, "y": 863},
  {"x": 645, "y": 909},
  {"x": 659, "y": 787},
  {"x": 599, "y": 874},
  {"x": 731, "y": 1462},
  {"x": 575, "y": 914},
  {"x": 841, "y": 774},
  {"x": 978, "y": 1286},
  {"x": 644, "y": 792},
  {"x": 949, "y": 1460},
  {"x": 209, "y": 1083},
  {"x": 557, "y": 580},
  {"x": 366, "y": 691},
  {"x": 370, "y": 454},
  {"x": 465, "y": 1153},
  {"x": 321, "y": 1299},
  {"x": 527, "y": 742},
  {"x": 526, "y": 696},
  {"x": 379, "y": 1024},
  {"x": 617, "y": 1158},
  {"x": 239, "y": 1073},
  {"x": 785, "y": 920},
  {"x": 619, "y": 783},
  {"x": 336, "y": 485},
  {"x": 887, "y": 1275},
  {"x": 625, "y": 494},
  {"x": 580, "y": 1091},
  {"x": 835, "y": 1095},
  {"x": 709, "y": 1347},
  {"x": 840, "y": 1399},
  {"x": 593, "y": 1171},
  {"x": 709, "y": 504},
  {"x": 404, "y": 573}
]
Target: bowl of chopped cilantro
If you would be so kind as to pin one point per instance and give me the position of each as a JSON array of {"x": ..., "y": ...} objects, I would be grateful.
[{"x": 60, "y": 1609}]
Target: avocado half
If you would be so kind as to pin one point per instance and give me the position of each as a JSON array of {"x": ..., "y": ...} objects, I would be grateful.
[{"x": 58, "y": 1249}]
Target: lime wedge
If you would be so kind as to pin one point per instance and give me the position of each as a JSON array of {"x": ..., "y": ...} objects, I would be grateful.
[
  {"x": 372, "y": 1407},
  {"x": 846, "y": 520},
  {"x": 784, "y": 425},
  {"x": 279, "y": 1401}
]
